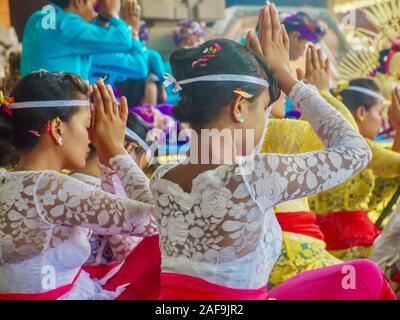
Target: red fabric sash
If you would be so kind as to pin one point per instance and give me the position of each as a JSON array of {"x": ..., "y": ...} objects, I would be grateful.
[
  {"x": 344, "y": 230},
  {"x": 98, "y": 272},
  {"x": 182, "y": 287},
  {"x": 48, "y": 295},
  {"x": 304, "y": 223},
  {"x": 142, "y": 269},
  {"x": 396, "y": 277}
]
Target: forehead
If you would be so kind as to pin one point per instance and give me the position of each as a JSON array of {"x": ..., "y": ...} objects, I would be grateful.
[{"x": 379, "y": 106}]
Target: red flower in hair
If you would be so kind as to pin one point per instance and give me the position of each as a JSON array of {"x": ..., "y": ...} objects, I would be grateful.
[
  {"x": 5, "y": 102},
  {"x": 47, "y": 128}
]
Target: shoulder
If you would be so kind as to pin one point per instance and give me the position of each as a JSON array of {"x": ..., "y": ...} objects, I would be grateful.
[{"x": 163, "y": 170}]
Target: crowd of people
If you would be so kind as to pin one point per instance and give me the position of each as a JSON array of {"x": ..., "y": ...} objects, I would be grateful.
[{"x": 115, "y": 184}]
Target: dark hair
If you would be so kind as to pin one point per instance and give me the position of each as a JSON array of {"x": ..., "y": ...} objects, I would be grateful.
[
  {"x": 63, "y": 3},
  {"x": 202, "y": 102},
  {"x": 40, "y": 86},
  {"x": 354, "y": 99},
  {"x": 136, "y": 124}
]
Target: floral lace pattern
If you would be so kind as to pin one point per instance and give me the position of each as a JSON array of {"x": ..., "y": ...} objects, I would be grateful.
[
  {"x": 108, "y": 249},
  {"x": 225, "y": 230},
  {"x": 299, "y": 253},
  {"x": 356, "y": 193},
  {"x": 40, "y": 209}
]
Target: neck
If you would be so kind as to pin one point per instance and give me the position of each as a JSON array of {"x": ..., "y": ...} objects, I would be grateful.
[
  {"x": 213, "y": 147},
  {"x": 92, "y": 168},
  {"x": 40, "y": 159}
]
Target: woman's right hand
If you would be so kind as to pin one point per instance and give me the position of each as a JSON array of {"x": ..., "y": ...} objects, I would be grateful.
[
  {"x": 109, "y": 8},
  {"x": 317, "y": 69},
  {"x": 108, "y": 123},
  {"x": 273, "y": 45},
  {"x": 131, "y": 13}
]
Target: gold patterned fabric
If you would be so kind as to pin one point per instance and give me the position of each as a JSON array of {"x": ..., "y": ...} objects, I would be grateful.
[
  {"x": 381, "y": 196},
  {"x": 299, "y": 253},
  {"x": 357, "y": 193}
]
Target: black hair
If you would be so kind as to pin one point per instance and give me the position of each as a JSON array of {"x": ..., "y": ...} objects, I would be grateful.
[
  {"x": 202, "y": 102},
  {"x": 63, "y": 3},
  {"x": 137, "y": 125},
  {"x": 40, "y": 86},
  {"x": 354, "y": 99}
]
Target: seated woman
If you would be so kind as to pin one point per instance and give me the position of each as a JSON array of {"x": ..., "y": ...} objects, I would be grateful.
[
  {"x": 46, "y": 216},
  {"x": 342, "y": 213},
  {"x": 116, "y": 257},
  {"x": 219, "y": 236}
]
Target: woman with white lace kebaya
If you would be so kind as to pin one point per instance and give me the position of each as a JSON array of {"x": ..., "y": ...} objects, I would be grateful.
[
  {"x": 219, "y": 236},
  {"x": 119, "y": 258},
  {"x": 45, "y": 216}
]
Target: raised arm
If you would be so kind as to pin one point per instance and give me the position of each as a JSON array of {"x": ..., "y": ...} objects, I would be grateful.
[
  {"x": 276, "y": 178},
  {"x": 91, "y": 38},
  {"x": 132, "y": 64},
  {"x": 385, "y": 163},
  {"x": 297, "y": 176},
  {"x": 62, "y": 200}
]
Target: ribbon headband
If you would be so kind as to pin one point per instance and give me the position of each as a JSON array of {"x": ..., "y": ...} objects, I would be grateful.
[
  {"x": 368, "y": 92},
  {"x": 169, "y": 80},
  {"x": 50, "y": 104},
  {"x": 132, "y": 135}
]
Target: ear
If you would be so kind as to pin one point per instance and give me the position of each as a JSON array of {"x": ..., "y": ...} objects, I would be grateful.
[
  {"x": 57, "y": 130},
  {"x": 237, "y": 108},
  {"x": 75, "y": 3},
  {"x": 131, "y": 148},
  {"x": 294, "y": 36},
  {"x": 360, "y": 113}
]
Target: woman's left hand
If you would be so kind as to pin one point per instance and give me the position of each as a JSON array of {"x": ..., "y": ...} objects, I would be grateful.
[{"x": 317, "y": 69}]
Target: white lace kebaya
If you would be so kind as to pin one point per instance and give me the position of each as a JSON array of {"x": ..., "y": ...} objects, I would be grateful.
[
  {"x": 225, "y": 230},
  {"x": 44, "y": 217}
]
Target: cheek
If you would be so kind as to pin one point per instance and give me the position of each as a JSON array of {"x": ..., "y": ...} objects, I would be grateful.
[
  {"x": 377, "y": 119},
  {"x": 79, "y": 141}
]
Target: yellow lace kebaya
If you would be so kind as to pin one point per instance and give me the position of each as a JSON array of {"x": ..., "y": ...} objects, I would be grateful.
[
  {"x": 352, "y": 236},
  {"x": 300, "y": 252},
  {"x": 381, "y": 196}
]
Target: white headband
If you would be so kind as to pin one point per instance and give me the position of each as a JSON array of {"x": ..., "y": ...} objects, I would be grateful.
[
  {"x": 169, "y": 80},
  {"x": 366, "y": 91},
  {"x": 132, "y": 135},
  {"x": 50, "y": 104}
]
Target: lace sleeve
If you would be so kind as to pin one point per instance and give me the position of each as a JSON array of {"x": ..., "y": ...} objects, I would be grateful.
[
  {"x": 277, "y": 178},
  {"x": 134, "y": 181},
  {"x": 63, "y": 200}
]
